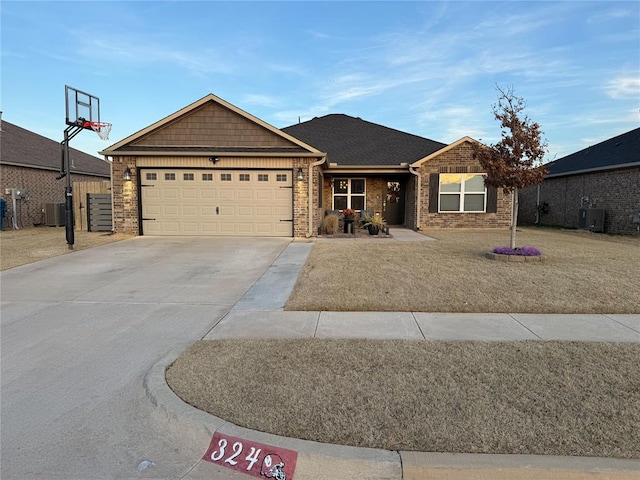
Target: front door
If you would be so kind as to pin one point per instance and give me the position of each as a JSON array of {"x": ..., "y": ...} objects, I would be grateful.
[{"x": 394, "y": 203}]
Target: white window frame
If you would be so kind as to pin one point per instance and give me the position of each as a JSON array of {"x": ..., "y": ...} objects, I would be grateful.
[
  {"x": 349, "y": 195},
  {"x": 461, "y": 193}
]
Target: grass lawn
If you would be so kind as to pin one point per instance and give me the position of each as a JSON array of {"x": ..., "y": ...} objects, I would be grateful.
[
  {"x": 28, "y": 245},
  {"x": 585, "y": 273},
  {"x": 547, "y": 398}
]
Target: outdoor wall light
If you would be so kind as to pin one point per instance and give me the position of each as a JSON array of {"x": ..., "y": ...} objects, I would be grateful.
[
  {"x": 126, "y": 176},
  {"x": 214, "y": 160},
  {"x": 300, "y": 176}
]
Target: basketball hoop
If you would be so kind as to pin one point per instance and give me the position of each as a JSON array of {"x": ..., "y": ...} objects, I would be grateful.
[{"x": 101, "y": 128}]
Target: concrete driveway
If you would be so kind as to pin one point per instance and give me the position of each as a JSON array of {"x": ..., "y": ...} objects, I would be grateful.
[{"x": 78, "y": 334}]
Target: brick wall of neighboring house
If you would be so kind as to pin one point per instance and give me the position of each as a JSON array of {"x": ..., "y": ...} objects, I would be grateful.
[
  {"x": 459, "y": 160},
  {"x": 617, "y": 191},
  {"x": 42, "y": 187}
]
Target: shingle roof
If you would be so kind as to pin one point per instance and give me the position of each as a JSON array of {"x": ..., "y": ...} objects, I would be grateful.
[
  {"x": 617, "y": 151},
  {"x": 353, "y": 141},
  {"x": 22, "y": 147}
]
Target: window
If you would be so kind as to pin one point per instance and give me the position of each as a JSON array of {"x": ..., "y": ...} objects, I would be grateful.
[
  {"x": 281, "y": 177},
  {"x": 245, "y": 177},
  {"x": 225, "y": 177},
  {"x": 207, "y": 177},
  {"x": 152, "y": 176},
  {"x": 169, "y": 176},
  {"x": 188, "y": 176},
  {"x": 348, "y": 193},
  {"x": 462, "y": 192},
  {"x": 263, "y": 177}
]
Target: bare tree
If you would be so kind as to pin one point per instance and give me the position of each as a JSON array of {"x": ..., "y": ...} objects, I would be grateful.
[{"x": 515, "y": 161}]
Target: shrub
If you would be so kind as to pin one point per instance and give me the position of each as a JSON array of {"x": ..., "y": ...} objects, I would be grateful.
[
  {"x": 330, "y": 224},
  {"x": 524, "y": 251}
]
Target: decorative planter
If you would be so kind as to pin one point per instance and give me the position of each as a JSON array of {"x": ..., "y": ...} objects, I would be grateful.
[
  {"x": 373, "y": 229},
  {"x": 348, "y": 224}
]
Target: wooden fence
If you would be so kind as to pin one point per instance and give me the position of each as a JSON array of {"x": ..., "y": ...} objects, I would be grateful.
[{"x": 80, "y": 190}]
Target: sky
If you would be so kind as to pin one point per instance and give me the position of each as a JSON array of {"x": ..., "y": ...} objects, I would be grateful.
[{"x": 428, "y": 68}]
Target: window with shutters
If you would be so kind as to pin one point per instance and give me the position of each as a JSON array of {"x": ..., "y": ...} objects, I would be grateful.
[{"x": 462, "y": 192}]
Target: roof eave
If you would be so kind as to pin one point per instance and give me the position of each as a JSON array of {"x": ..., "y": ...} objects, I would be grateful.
[
  {"x": 54, "y": 169},
  {"x": 593, "y": 170},
  {"x": 217, "y": 153},
  {"x": 359, "y": 169}
]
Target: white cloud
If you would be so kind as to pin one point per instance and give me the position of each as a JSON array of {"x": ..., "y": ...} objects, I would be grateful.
[
  {"x": 623, "y": 87},
  {"x": 260, "y": 100}
]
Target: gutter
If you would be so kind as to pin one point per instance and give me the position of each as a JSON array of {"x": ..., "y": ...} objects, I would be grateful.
[
  {"x": 309, "y": 196},
  {"x": 419, "y": 180},
  {"x": 592, "y": 170}
]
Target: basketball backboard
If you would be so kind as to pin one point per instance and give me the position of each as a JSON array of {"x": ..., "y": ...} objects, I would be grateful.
[{"x": 81, "y": 107}]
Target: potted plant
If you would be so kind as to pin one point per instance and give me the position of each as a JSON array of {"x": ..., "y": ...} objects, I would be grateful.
[
  {"x": 374, "y": 224},
  {"x": 349, "y": 217}
]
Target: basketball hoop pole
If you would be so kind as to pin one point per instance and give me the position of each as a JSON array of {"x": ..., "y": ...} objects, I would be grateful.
[{"x": 65, "y": 171}]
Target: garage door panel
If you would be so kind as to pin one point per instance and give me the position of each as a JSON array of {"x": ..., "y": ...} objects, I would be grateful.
[
  {"x": 226, "y": 194},
  {"x": 209, "y": 205}
]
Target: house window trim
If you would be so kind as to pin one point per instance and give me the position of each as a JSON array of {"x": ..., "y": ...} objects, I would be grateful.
[
  {"x": 349, "y": 195},
  {"x": 462, "y": 194}
]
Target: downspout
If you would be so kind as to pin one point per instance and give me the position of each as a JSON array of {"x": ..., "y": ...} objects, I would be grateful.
[
  {"x": 113, "y": 220},
  {"x": 419, "y": 180},
  {"x": 310, "y": 196},
  {"x": 538, "y": 206}
]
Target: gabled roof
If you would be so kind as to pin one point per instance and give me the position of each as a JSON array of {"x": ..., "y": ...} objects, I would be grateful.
[
  {"x": 443, "y": 150},
  {"x": 617, "y": 152},
  {"x": 210, "y": 138},
  {"x": 353, "y": 141},
  {"x": 23, "y": 148}
]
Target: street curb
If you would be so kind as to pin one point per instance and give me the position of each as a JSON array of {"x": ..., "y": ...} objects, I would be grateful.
[{"x": 194, "y": 429}]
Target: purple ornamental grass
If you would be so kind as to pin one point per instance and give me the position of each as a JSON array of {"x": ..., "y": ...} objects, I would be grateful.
[{"x": 524, "y": 251}]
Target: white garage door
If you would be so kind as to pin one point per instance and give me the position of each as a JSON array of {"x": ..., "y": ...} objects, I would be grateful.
[{"x": 232, "y": 202}]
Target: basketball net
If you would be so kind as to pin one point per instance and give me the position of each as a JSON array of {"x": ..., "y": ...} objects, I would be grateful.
[{"x": 101, "y": 128}]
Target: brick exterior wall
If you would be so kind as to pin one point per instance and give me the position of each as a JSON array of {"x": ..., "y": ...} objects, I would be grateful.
[
  {"x": 454, "y": 161},
  {"x": 617, "y": 191},
  {"x": 42, "y": 187},
  {"x": 125, "y": 196},
  {"x": 410, "y": 207}
]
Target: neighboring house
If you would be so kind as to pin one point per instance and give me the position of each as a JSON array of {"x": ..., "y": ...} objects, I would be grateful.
[
  {"x": 213, "y": 169},
  {"x": 30, "y": 162},
  {"x": 603, "y": 177}
]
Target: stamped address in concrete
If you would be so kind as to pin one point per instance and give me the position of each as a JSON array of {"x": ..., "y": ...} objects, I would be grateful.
[{"x": 253, "y": 458}]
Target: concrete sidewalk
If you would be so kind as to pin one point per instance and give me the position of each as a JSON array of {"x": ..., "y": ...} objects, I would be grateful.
[{"x": 260, "y": 314}]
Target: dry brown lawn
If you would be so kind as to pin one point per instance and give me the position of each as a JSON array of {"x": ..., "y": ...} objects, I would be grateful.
[
  {"x": 547, "y": 398},
  {"x": 28, "y": 245},
  {"x": 585, "y": 273}
]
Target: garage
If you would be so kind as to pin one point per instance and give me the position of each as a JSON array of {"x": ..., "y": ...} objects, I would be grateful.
[
  {"x": 216, "y": 202},
  {"x": 213, "y": 169}
]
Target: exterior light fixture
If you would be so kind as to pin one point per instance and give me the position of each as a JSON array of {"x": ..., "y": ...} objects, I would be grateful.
[
  {"x": 300, "y": 176},
  {"x": 214, "y": 160},
  {"x": 126, "y": 176}
]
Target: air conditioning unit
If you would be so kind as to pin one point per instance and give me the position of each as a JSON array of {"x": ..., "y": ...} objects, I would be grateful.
[
  {"x": 595, "y": 219},
  {"x": 54, "y": 214}
]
